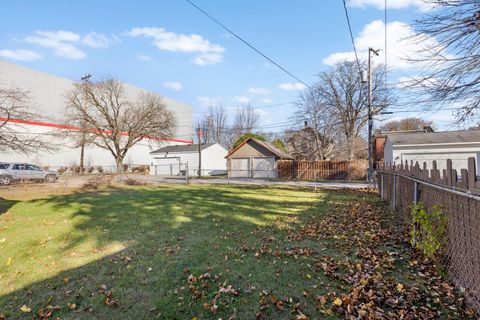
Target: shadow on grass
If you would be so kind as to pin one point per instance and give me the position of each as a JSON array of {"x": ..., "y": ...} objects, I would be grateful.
[
  {"x": 166, "y": 230},
  {"x": 5, "y": 205}
]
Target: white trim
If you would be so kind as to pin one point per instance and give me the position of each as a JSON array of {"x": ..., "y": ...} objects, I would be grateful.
[{"x": 435, "y": 144}]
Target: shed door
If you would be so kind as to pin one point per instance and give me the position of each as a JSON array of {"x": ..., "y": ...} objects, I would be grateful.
[
  {"x": 239, "y": 168},
  {"x": 167, "y": 166},
  {"x": 264, "y": 167}
]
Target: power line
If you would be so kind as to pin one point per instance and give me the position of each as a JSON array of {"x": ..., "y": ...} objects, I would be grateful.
[
  {"x": 423, "y": 110},
  {"x": 386, "y": 43},
  {"x": 351, "y": 35},
  {"x": 248, "y": 44}
]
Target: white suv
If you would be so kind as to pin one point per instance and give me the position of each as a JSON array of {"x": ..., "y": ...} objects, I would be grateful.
[{"x": 10, "y": 172}]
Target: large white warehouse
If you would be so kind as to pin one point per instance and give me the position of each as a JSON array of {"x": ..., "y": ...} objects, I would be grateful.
[{"x": 47, "y": 93}]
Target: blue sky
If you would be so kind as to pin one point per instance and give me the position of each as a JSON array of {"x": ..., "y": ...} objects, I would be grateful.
[{"x": 171, "y": 48}]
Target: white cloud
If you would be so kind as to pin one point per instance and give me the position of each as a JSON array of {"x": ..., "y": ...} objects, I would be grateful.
[
  {"x": 392, "y": 4},
  {"x": 59, "y": 41},
  {"x": 400, "y": 46},
  {"x": 174, "y": 85},
  {"x": 144, "y": 57},
  {"x": 206, "y": 52},
  {"x": 98, "y": 40},
  {"x": 241, "y": 99},
  {"x": 20, "y": 54},
  {"x": 291, "y": 86},
  {"x": 266, "y": 100},
  {"x": 208, "y": 101},
  {"x": 259, "y": 91},
  {"x": 337, "y": 57}
]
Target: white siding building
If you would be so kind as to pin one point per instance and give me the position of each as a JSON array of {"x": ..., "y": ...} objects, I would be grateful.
[
  {"x": 173, "y": 160},
  {"x": 47, "y": 100},
  {"x": 428, "y": 146}
]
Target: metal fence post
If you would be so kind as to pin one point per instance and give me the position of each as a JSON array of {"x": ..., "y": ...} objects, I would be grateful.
[
  {"x": 186, "y": 172},
  {"x": 394, "y": 202},
  {"x": 381, "y": 185},
  {"x": 415, "y": 192}
]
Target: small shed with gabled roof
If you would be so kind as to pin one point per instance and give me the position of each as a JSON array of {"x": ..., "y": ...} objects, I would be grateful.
[
  {"x": 255, "y": 159},
  {"x": 175, "y": 159}
]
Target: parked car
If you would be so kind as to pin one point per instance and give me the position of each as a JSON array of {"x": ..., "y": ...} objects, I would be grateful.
[{"x": 10, "y": 172}]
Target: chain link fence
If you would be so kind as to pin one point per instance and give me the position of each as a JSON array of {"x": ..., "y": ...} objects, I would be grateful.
[{"x": 458, "y": 200}]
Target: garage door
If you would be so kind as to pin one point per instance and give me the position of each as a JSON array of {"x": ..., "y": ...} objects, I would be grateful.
[
  {"x": 264, "y": 167},
  {"x": 239, "y": 168},
  {"x": 167, "y": 166}
]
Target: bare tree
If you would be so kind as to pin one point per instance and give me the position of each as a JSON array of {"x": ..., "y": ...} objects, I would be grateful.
[
  {"x": 316, "y": 140},
  {"x": 246, "y": 119},
  {"x": 342, "y": 96},
  {"x": 406, "y": 124},
  {"x": 14, "y": 106},
  {"x": 115, "y": 122},
  {"x": 450, "y": 62},
  {"x": 213, "y": 125}
]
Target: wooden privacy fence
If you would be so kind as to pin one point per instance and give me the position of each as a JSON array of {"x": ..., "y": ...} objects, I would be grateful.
[
  {"x": 459, "y": 199},
  {"x": 314, "y": 170}
]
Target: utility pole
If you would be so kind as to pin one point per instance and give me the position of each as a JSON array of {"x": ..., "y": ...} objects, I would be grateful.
[
  {"x": 85, "y": 80},
  {"x": 370, "y": 116},
  {"x": 199, "y": 137}
]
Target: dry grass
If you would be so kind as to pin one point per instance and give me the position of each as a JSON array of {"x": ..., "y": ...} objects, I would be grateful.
[{"x": 357, "y": 170}]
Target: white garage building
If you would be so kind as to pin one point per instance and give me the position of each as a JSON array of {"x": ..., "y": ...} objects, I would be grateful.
[
  {"x": 428, "y": 146},
  {"x": 255, "y": 159},
  {"x": 175, "y": 159},
  {"x": 47, "y": 92}
]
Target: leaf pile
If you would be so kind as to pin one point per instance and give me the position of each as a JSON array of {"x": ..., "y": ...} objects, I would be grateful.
[
  {"x": 379, "y": 275},
  {"x": 200, "y": 289}
]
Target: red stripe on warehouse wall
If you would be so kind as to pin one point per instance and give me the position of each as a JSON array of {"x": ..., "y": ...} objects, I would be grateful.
[{"x": 61, "y": 126}]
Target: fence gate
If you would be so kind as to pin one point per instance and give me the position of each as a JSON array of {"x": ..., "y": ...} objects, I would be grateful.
[{"x": 169, "y": 170}]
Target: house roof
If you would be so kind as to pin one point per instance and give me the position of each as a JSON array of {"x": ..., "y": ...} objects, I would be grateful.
[
  {"x": 464, "y": 136},
  {"x": 384, "y": 134},
  {"x": 183, "y": 148},
  {"x": 266, "y": 145}
]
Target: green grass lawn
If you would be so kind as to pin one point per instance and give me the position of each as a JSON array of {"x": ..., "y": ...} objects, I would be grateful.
[{"x": 192, "y": 252}]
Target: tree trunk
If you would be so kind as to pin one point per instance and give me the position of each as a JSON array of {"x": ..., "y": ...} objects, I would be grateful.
[
  {"x": 350, "y": 147},
  {"x": 82, "y": 155},
  {"x": 120, "y": 170}
]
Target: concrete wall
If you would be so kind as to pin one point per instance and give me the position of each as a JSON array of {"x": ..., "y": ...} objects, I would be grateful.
[
  {"x": 47, "y": 101},
  {"x": 63, "y": 152}
]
